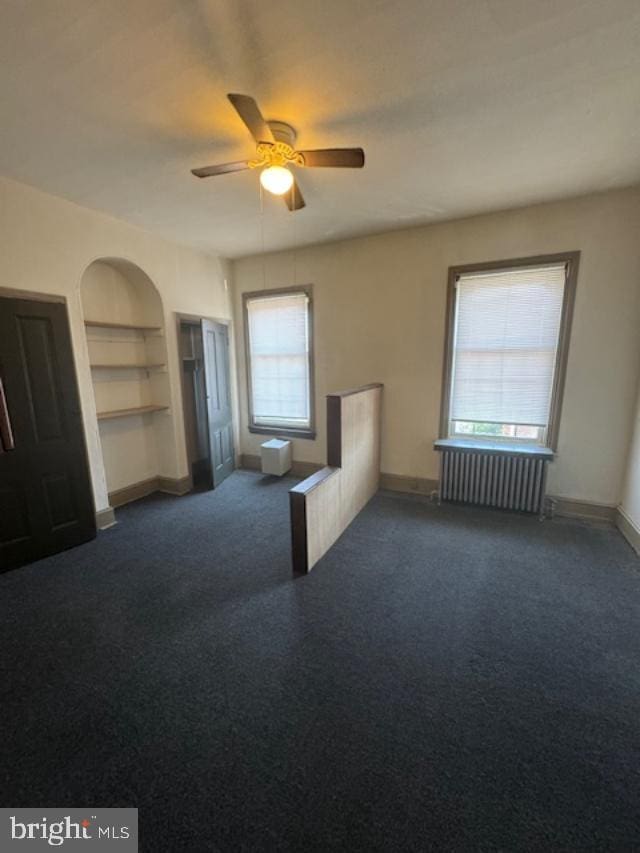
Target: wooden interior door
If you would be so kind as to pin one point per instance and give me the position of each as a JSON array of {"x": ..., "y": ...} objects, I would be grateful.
[
  {"x": 194, "y": 403},
  {"x": 46, "y": 504},
  {"x": 215, "y": 339}
]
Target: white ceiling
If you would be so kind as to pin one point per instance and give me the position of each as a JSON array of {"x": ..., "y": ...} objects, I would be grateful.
[{"x": 462, "y": 106}]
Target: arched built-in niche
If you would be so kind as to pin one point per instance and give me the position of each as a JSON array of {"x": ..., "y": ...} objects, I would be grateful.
[{"x": 124, "y": 323}]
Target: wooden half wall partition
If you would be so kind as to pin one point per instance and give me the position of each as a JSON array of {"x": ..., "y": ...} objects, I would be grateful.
[{"x": 325, "y": 504}]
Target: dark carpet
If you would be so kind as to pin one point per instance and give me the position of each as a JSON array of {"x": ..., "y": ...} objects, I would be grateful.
[{"x": 445, "y": 679}]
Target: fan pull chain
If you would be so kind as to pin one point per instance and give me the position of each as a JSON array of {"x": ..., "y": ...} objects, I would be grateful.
[
  {"x": 293, "y": 214},
  {"x": 264, "y": 263}
]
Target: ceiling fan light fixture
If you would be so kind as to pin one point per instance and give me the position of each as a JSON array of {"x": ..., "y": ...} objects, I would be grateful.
[{"x": 276, "y": 179}]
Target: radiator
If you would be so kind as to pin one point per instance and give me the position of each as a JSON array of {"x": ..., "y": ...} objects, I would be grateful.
[{"x": 514, "y": 480}]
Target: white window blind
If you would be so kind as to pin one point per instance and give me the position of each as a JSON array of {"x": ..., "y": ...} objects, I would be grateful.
[
  {"x": 279, "y": 352},
  {"x": 505, "y": 343}
]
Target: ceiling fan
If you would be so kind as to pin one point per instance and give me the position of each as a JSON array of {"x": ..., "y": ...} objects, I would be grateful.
[{"x": 275, "y": 152}]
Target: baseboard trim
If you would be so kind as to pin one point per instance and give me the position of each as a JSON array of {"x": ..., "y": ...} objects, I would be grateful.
[
  {"x": 584, "y": 510},
  {"x": 105, "y": 518},
  {"x": 175, "y": 486},
  {"x": 563, "y": 507},
  {"x": 250, "y": 462},
  {"x": 134, "y": 492},
  {"x": 628, "y": 529},
  {"x": 299, "y": 469},
  {"x": 407, "y": 485},
  {"x": 170, "y": 485}
]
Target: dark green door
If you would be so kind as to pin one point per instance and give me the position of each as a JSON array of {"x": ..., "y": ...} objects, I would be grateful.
[
  {"x": 46, "y": 504},
  {"x": 215, "y": 338}
]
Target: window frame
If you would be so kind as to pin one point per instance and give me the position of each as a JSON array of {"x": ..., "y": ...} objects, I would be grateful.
[
  {"x": 572, "y": 261},
  {"x": 497, "y": 438},
  {"x": 286, "y": 430}
]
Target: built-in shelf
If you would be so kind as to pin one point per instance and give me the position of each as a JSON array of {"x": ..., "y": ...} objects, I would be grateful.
[
  {"x": 126, "y": 366},
  {"x": 123, "y": 413},
  {"x": 101, "y": 324}
]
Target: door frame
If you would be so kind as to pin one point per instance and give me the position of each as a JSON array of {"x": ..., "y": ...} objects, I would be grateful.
[
  {"x": 59, "y": 299},
  {"x": 34, "y": 296},
  {"x": 105, "y": 517},
  {"x": 194, "y": 320}
]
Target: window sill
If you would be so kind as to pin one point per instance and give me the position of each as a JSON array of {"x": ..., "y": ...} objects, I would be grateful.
[
  {"x": 506, "y": 448},
  {"x": 287, "y": 432}
]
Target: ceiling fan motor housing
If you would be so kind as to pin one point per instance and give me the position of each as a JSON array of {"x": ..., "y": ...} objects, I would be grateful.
[{"x": 283, "y": 132}]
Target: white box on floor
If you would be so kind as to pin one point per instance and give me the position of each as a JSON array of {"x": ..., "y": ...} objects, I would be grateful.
[{"x": 276, "y": 457}]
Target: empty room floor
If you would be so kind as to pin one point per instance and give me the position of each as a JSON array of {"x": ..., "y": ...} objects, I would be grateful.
[{"x": 446, "y": 678}]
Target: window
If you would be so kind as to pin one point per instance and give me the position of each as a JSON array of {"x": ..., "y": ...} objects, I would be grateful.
[
  {"x": 278, "y": 332},
  {"x": 506, "y": 350}
]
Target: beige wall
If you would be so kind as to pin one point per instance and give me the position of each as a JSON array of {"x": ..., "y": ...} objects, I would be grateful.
[
  {"x": 46, "y": 244},
  {"x": 379, "y": 317}
]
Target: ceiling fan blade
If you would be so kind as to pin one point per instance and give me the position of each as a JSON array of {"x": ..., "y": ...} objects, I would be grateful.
[
  {"x": 250, "y": 114},
  {"x": 220, "y": 169},
  {"x": 293, "y": 198},
  {"x": 345, "y": 158}
]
